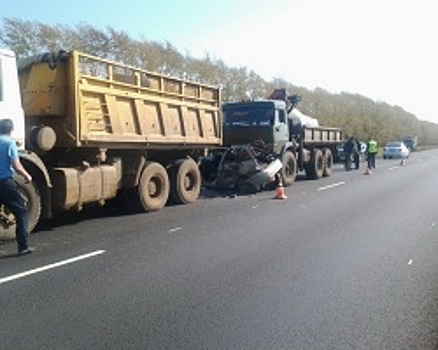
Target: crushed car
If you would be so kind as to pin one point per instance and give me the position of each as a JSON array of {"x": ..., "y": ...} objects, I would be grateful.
[{"x": 242, "y": 168}]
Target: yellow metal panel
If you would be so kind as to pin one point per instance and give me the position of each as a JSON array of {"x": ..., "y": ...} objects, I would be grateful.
[
  {"x": 211, "y": 125},
  {"x": 113, "y": 118},
  {"x": 150, "y": 115},
  {"x": 125, "y": 111},
  {"x": 192, "y": 123},
  {"x": 44, "y": 90},
  {"x": 172, "y": 120}
]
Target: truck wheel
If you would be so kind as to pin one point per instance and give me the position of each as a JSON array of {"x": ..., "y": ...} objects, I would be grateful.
[
  {"x": 315, "y": 169},
  {"x": 289, "y": 168},
  {"x": 185, "y": 182},
  {"x": 152, "y": 192},
  {"x": 328, "y": 162},
  {"x": 32, "y": 201}
]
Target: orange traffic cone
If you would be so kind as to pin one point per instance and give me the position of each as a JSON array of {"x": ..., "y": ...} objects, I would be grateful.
[
  {"x": 368, "y": 171},
  {"x": 279, "y": 192}
]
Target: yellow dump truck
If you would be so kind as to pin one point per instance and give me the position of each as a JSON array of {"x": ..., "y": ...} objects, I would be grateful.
[{"x": 93, "y": 129}]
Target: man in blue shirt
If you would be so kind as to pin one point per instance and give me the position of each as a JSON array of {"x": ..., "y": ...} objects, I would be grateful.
[{"x": 9, "y": 193}]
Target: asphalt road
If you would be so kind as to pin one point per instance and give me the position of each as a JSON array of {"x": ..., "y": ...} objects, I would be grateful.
[{"x": 346, "y": 262}]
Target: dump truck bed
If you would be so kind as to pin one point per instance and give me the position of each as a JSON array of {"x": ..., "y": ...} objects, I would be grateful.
[{"x": 94, "y": 102}]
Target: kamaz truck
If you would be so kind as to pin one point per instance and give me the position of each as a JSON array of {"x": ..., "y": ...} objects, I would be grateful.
[
  {"x": 258, "y": 134},
  {"x": 90, "y": 129}
]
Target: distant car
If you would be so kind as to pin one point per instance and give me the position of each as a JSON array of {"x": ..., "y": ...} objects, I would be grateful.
[{"x": 395, "y": 150}]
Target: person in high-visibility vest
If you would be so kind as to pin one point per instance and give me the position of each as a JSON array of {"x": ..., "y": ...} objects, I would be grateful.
[{"x": 371, "y": 153}]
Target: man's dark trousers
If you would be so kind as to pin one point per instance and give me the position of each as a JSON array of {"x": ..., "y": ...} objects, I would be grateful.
[{"x": 12, "y": 199}]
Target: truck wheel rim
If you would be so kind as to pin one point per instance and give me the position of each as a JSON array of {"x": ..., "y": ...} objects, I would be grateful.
[{"x": 154, "y": 187}]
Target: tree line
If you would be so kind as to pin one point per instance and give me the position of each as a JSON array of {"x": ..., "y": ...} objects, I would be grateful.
[{"x": 356, "y": 114}]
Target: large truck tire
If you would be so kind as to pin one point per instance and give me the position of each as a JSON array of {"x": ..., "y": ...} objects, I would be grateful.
[
  {"x": 32, "y": 200},
  {"x": 152, "y": 191},
  {"x": 289, "y": 169},
  {"x": 328, "y": 162},
  {"x": 185, "y": 181},
  {"x": 315, "y": 168}
]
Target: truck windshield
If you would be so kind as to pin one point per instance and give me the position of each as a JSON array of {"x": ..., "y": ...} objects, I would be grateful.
[{"x": 257, "y": 114}]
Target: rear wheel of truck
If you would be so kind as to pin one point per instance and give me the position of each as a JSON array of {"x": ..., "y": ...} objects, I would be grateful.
[
  {"x": 328, "y": 162},
  {"x": 289, "y": 168},
  {"x": 152, "y": 191},
  {"x": 185, "y": 181},
  {"x": 32, "y": 200},
  {"x": 315, "y": 168}
]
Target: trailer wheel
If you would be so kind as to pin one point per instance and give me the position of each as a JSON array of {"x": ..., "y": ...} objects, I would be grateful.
[
  {"x": 185, "y": 181},
  {"x": 32, "y": 200},
  {"x": 328, "y": 162},
  {"x": 314, "y": 170},
  {"x": 289, "y": 168},
  {"x": 152, "y": 192}
]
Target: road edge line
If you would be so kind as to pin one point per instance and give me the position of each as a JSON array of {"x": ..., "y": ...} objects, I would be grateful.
[{"x": 50, "y": 266}]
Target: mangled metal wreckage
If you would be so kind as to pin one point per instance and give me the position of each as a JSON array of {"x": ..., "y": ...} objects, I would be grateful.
[{"x": 244, "y": 168}]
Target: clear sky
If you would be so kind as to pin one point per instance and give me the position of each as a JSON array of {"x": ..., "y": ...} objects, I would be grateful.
[{"x": 386, "y": 50}]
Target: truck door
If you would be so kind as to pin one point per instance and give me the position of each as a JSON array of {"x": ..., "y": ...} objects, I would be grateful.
[
  {"x": 10, "y": 100},
  {"x": 281, "y": 132}
]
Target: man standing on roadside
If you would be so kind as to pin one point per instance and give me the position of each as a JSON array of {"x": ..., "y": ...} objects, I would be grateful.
[
  {"x": 349, "y": 150},
  {"x": 371, "y": 153},
  {"x": 9, "y": 193},
  {"x": 356, "y": 154}
]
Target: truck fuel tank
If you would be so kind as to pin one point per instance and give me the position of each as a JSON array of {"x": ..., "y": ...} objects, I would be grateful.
[{"x": 76, "y": 187}]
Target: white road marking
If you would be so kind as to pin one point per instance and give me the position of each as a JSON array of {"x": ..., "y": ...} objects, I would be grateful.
[
  {"x": 393, "y": 168},
  {"x": 49, "y": 267},
  {"x": 174, "y": 229},
  {"x": 331, "y": 186},
  {"x": 256, "y": 206},
  {"x": 410, "y": 262},
  {"x": 433, "y": 224}
]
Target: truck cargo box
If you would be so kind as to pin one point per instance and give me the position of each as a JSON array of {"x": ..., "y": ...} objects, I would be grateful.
[
  {"x": 91, "y": 102},
  {"x": 322, "y": 135}
]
